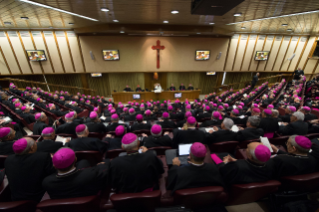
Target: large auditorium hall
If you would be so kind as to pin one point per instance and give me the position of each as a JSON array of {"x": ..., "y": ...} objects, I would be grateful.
[{"x": 159, "y": 106}]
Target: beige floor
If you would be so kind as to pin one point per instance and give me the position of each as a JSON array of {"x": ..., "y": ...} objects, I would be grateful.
[{"x": 250, "y": 207}]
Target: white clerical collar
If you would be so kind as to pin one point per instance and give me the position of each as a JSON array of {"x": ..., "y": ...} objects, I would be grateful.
[
  {"x": 191, "y": 128},
  {"x": 196, "y": 164},
  {"x": 61, "y": 174}
]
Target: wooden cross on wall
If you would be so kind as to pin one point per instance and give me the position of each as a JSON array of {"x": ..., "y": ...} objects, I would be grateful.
[{"x": 158, "y": 47}]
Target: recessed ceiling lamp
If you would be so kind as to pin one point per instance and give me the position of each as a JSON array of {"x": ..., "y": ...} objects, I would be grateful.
[
  {"x": 211, "y": 23},
  {"x": 115, "y": 21},
  {"x": 174, "y": 11},
  {"x": 280, "y": 16},
  {"x": 56, "y": 9},
  {"x": 51, "y": 27},
  {"x": 122, "y": 32},
  {"x": 237, "y": 14},
  {"x": 198, "y": 33},
  {"x": 71, "y": 23},
  {"x": 289, "y": 30},
  {"x": 165, "y": 22},
  {"x": 243, "y": 28},
  {"x": 104, "y": 9},
  {"x": 7, "y": 23},
  {"x": 24, "y": 18},
  {"x": 284, "y": 25}
]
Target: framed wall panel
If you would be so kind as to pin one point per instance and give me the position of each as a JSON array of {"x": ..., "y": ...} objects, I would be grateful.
[
  {"x": 305, "y": 55},
  {"x": 273, "y": 53},
  {"x": 311, "y": 64},
  {"x": 267, "y": 47},
  {"x": 231, "y": 53},
  {"x": 258, "y": 47},
  {"x": 301, "y": 44},
  {"x": 249, "y": 53},
  {"x": 281, "y": 53},
  {"x": 8, "y": 54},
  {"x": 240, "y": 52},
  {"x": 3, "y": 66},
  {"x": 54, "y": 53},
  {"x": 64, "y": 50},
  {"x": 76, "y": 52}
]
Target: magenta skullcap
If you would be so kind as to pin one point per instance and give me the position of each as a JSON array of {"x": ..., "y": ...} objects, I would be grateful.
[
  {"x": 255, "y": 105},
  {"x": 256, "y": 110},
  {"x": 226, "y": 105},
  {"x": 131, "y": 110},
  {"x": 81, "y": 99},
  {"x": 188, "y": 107},
  {"x": 50, "y": 105},
  {"x": 119, "y": 130},
  {"x": 125, "y": 109},
  {"x": 306, "y": 108},
  {"x": 148, "y": 112},
  {"x": 93, "y": 115},
  {"x": 142, "y": 105},
  {"x": 162, "y": 105},
  {"x": 129, "y": 138},
  {"x": 38, "y": 99},
  {"x": 240, "y": 107},
  {"x": 191, "y": 120},
  {"x": 13, "y": 100},
  {"x": 236, "y": 111},
  {"x": 17, "y": 105},
  {"x": 165, "y": 115},
  {"x": 303, "y": 142},
  {"x": 165, "y": 101},
  {"x": 139, "y": 117},
  {"x": 113, "y": 111},
  {"x": 80, "y": 128},
  {"x": 37, "y": 116},
  {"x": 4, "y": 131},
  {"x": 170, "y": 107},
  {"x": 206, "y": 100},
  {"x": 121, "y": 106},
  {"x": 216, "y": 114},
  {"x": 199, "y": 103},
  {"x": 268, "y": 111},
  {"x": 156, "y": 129},
  {"x": 214, "y": 104},
  {"x": 292, "y": 108},
  {"x": 219, "y": 100},
  {"x": 198, "y": 150},
  {"x": 63, "y": 158},
  {"x": 87, "y": 101},
  {"x": 188, "y": 114},
  {"x": 114, "y": 116},
  {"x": 23, "y": 107},
  {"x": 220, "y": 107},
  {"x": 61, "y": 97},
  {"x": 207, "y": 108},
  {"x": 20, "y": 145},
  {"x": 47, "y": 130},
  {"x": 96, "y": 109},
  {"x": 262, "y": 153},
  {"x": 270, "y": 106}
]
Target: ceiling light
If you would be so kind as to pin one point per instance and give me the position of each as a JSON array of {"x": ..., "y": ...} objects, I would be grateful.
[
  {"x": 56, "y": 9},
  {"x": 243, "y": 28},
  {"x": 104, "y": 9},
  {"x": 165, "y": 22},
  {"x": 51, "y": 27},
  {"x": 280, "y": 16},
  {"x": 211, "y": 23},
  {"x": 284, "y": 25},
  {"x": 237, "y": 14},
  {"x": 25, "y": 18},
  {"x": 122, "y": 32},
  {"x": 7, "y": 22},
  {"x": 115, "y": 21},
  {"x": 174, "y": 11},
  {"x": 71, "y": 23},
  {"x": 198, "y": 33},
  {"x": 289, "y": 30}
]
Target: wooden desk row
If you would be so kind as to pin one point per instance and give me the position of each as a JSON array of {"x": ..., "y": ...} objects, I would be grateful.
[{"x": 125, "y": 97}]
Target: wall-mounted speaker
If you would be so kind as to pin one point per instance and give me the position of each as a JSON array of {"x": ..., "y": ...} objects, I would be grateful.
[
  {"x": 219, "y": 55},
  {"x": 292, "y": 56},
  {"x": 92, "y": 56}
]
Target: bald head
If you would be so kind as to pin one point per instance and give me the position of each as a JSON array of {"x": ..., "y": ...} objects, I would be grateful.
[{"x": 259, "y": 156}]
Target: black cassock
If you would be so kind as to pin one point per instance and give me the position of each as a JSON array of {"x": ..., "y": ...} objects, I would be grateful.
[
  {"x": 269, "y": 125},
  {"x": 140, "y": 126},
  {"x": 220, "y": 136},
  {"x": 135, "y": 172},
  {"x": 212, "y": 122},
  {"x": 188, "y": 136},
  {"x": 246, "y": 171},
  {"x": 67, "y": 128},
  {"x": 310, "y": 116},
  {"x": 113, "y": 143},
  {"x": 28, "y": 117},
  {"x": 38, "y": 127},
  {"x": 249, "y": 133},
  {"x": 191, "y": 176},
  {"x": 127, "y": 89},
  {"x": 167, "y": 124},
  {"x": 87, "y": 144},
  {"x": 49, "y": 146},
  {"x": 6, "y": 148},
  {"x": 294, "y": 128},
  {"x": 190, "y": 88},
  {"x": 79, "y": 183},
  {"x": 25, "y": 175},
  {"x": 290, "y": 164},
  {"x": 152, "y": 141},
  {"x": 96, "y": 127},
  {"x": 172, "y": 88}
]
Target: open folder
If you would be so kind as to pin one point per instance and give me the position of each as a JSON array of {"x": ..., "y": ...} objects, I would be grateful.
[{"x": 62, "y": 139}]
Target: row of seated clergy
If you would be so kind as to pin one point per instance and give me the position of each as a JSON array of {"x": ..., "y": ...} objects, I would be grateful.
[
  {"x": 31, "y": 173},
  {"x": 172, "y": 88}
]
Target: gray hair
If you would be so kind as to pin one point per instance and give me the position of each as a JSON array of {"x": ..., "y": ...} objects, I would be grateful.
[
  {"x": 275, "y": 113},
  {"x": 70, "y": 119},
  {"x": 41, "y": 117},
  {"x": 228, "y": 123},
  {"x": 129, "y": 147},
  {"x": 30, "y": 143},
  {"x": 83, "y": 132},
  {"x": 254, "y": 121},
  {"x": 293, "y": 143},
  {"x": 299, "y": 115}
]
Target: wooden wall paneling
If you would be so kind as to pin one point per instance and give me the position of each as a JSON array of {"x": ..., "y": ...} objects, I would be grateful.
[
  {"x": 149, "y": 80},
  {"x": 310, "y": 66},
  {"x": 304, "y": 57},
  {"x": 14, "y": 53},
  {"x": 75, "y": 51},
  {"x": 273, "y": 53},
  {"x": 4, "y": 67},
  {"x": 231, "y": 52},
  {"x": 8, "y": 54},
  {"x": 260, "y": 42},
  {"x": 316, "y": 70},
  {"x": 281, "y": 53},
  {"x": 58, "y": 48},
  {"x": 226, "y": 55},
  {"x": 299, "y": 52},
  {"x": 239, "y": 39},
  {"x": 54, "y": 52},
  {"x": 28, "y": 45},
  {"x": 63, "y": 49},
  {"x": 249, "y": 53},
  {"x": 290, "y": 52},
  {"x": 20, "y": 52},
  {"x": 70, "y": 52},
  {"x": 268, "y": 44},
  {"x": 39, "y": 43},
  {"x": 81, "y": 52},
  {"x": 241, "y": 49}
]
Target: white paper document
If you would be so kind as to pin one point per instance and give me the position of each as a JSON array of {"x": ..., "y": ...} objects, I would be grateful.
[
  {"x": 235, "y": 128},
  {"x": 209, "y": 129},
  {"x": 29, "y": 132},
  {"x": 61, "y": 139},
  {"x": 265, "y": 142},
  {"x": 103, "y": 118}
]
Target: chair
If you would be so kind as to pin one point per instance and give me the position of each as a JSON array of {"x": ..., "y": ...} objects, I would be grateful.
[
  {"x": 301, "y": 183},
  {"x": 160, "y": 150},
  {"x": 251, "y": 192},
  {"x": 96, "y": 135},
  {"x": 143, "y": 201},
  {"x": 269, "y": 135},
  {"x": 281, "y": 111},
  {"x": 195, "y": 198},
  {"x": 114, "y": 153},
  {"x": 79, "y": 204},
  {"x": 84, "y": 113},
  {"x": 25, "y": 206},
  {"x": 316, "y": 112},
  {"x": 225, "y": 146},
  {"x": 93, "y": 157},
  {"x": 279, "y": 141},
  {"x": 313, "y": 135},
  {"x": 2, "y": 160},
  {"x": 67, "y": 135},
  {"x": 244, "y": 144}
]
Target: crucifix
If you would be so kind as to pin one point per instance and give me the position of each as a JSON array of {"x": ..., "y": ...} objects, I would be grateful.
[{"x": 158, "y": 47}]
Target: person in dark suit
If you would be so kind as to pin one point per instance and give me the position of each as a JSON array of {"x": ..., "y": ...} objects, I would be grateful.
[
  {"x": 297, "y": 73},
  {"x": 254, "y": 81},
  {"x": 223, "y": 134},
  {"x": 267, "y": 123},
  {"x": 127, "y": 88},
  {"x": 26, "y": 170},
  {"x": 131, "y": 115},
  {"x": 55, "y": 111},
  {"x": 307, "y": 112},
  {"x": 251, "y": 131},
  {"x": 296, "y": 125},
  {"x": 69, "y": 126},
  {"x": 156, "y": 139},
  {"x": 288, "y": 111},
  {"x": 85, "y": 143},
  {"x": 296, "y": 160},
  {"x": 215, "y": 120},
  {"x": 196, "y": 173},
  {"x": 234, "y": 115},
  {"x": 114, "y": 123},
  {"x": 115, "y": 143},
  {"x": 140, "y": 125},
  {"x": 172, "y": 88},
  {"x": 138, "y": 89},
  {"x": 48, "y": 144},
  {"x": 26, "y": 115},
  {"x": 182, "y": 87},
  {"x": 7, "y": 137},
  {"x": 206, "y": 114},
  {"x": 190, "y": 87},
  {"x": 189, "y": 134},
  {"x": 74, "y": 179},
  {"x": 166, "y": 123},
  {"x": 40, "y": 124},
  {"x": 95, "y": 125}
]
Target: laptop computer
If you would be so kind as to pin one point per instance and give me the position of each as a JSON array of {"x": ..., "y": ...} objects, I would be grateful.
[{"x": 183, "y": 152}]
